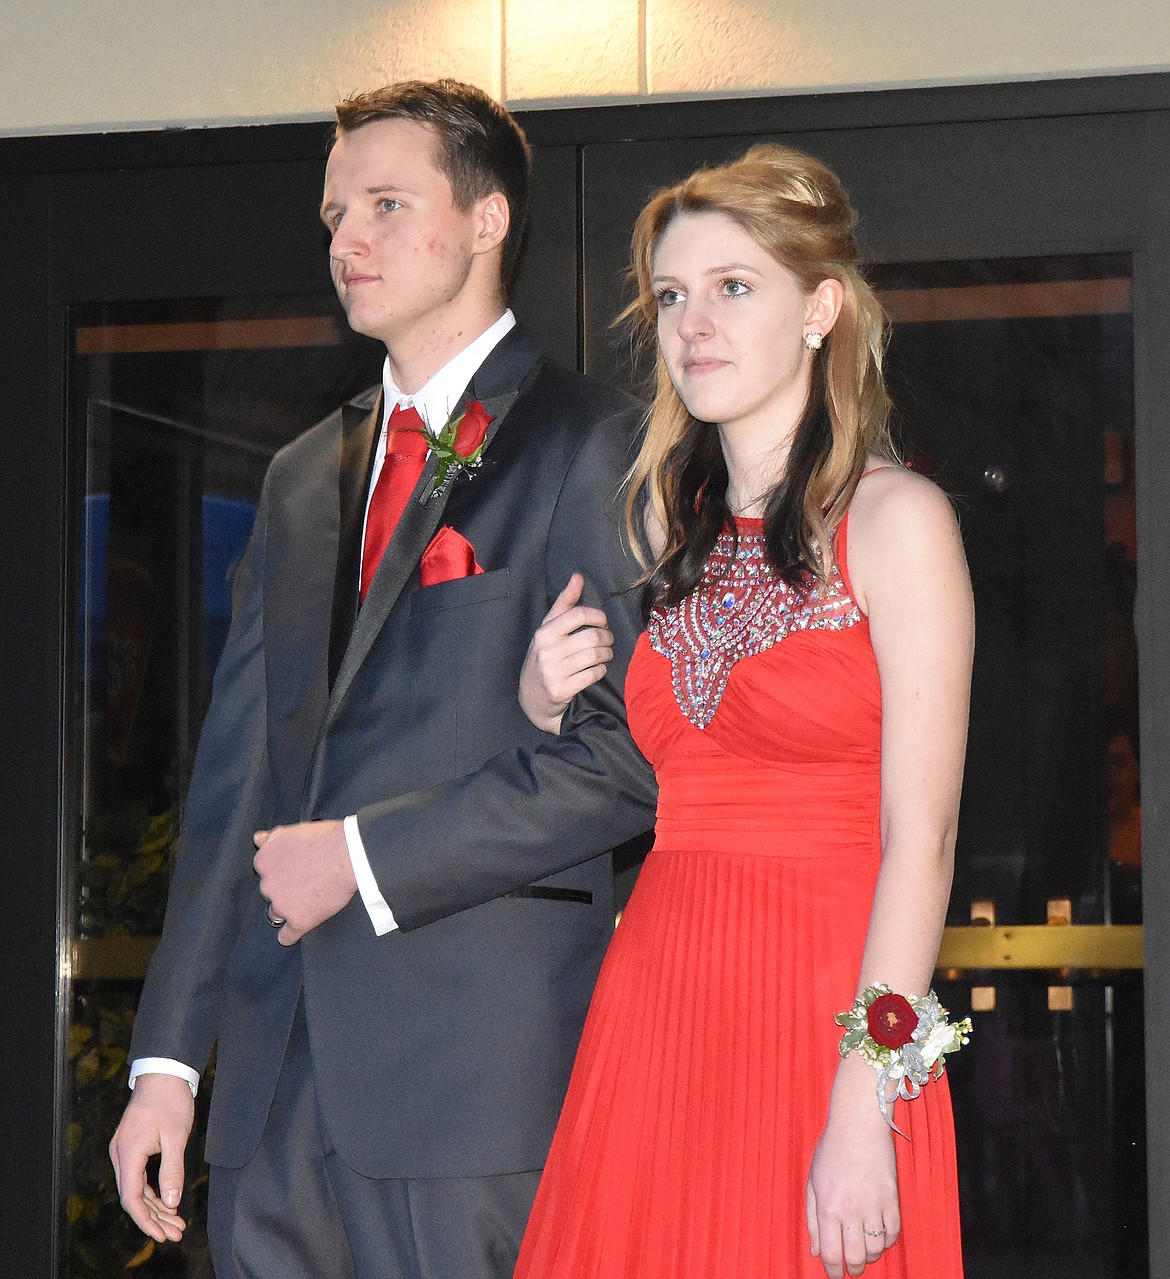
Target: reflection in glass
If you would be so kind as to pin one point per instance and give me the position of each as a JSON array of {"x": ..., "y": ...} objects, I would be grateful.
[
  {"x": 1013, "y": 382},
  {"x": 181, "y": 408}
]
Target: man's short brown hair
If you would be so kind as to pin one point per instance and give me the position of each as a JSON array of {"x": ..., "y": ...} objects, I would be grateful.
[{"x": 479, "y": 146}]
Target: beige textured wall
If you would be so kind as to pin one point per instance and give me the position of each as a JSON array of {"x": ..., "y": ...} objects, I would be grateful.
[{"x": 113, "y": 64}]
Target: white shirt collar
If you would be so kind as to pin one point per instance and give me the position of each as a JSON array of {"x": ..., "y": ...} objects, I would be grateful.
[{"x": 438, "y": 397}]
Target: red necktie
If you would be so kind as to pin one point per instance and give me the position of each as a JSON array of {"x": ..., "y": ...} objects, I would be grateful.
[{"x": 406, "y": 452}]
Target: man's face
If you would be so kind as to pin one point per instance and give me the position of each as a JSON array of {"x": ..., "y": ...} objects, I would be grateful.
[{"x": 401, "y": 253}]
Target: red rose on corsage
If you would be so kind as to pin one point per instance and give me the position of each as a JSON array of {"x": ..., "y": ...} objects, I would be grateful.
[
  {"x": 891, "y": 1021},
  {"x": 458, "y": 446}
]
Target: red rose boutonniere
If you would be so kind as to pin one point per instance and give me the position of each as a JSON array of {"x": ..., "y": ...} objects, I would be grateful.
[
  {"x": 458, "y": 446},
  {"x": 891, "y": 1021}
]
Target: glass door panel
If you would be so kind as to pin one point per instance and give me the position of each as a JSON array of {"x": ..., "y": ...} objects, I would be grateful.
[
  {"x": 181, "y": 407},
  {"x": 1013, "y": 382}
]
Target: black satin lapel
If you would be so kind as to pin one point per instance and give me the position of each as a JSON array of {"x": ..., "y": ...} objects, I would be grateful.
[
  {"x": 359, "y": 433},
  {"x": 506, "y": 367}
]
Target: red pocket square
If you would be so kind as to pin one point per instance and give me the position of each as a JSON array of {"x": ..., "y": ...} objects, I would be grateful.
[{"x": 450, "y": 555}]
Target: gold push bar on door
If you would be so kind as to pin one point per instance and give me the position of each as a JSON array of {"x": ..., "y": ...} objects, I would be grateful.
[
  {"x": 1087, "y": 947},
  {"x": 1097, "y": 952}
]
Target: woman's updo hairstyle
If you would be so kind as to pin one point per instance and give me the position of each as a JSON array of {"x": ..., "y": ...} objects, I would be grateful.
[{"x": 796, "y": 209}]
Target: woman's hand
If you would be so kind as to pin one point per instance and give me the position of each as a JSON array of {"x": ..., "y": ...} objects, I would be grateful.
[
  {"x": 569, "y": 652},
  {"x": 852, "y": 1191}
]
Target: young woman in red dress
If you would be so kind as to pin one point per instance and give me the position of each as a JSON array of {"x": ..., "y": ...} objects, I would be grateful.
[{"x": 802, "y": 692}]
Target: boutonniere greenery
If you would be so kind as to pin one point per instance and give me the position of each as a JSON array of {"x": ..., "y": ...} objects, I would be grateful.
[{"x": 458, "y": 446}]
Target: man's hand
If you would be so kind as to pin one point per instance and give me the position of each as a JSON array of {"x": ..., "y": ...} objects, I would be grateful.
[
  {"x": 157, "y": 1121},
  {"x": 305, "y": 875}
]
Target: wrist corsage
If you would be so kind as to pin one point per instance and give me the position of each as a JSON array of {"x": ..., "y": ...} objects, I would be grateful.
[{"x": 904, "y": 1040}]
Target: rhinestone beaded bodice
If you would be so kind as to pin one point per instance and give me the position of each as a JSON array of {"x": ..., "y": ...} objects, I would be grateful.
[{"x": 739, "y": 609}]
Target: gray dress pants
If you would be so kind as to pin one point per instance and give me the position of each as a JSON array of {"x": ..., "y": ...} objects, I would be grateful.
[{"x": 297, "y": 1211}]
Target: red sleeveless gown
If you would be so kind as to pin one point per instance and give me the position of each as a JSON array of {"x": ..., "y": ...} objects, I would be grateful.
[{"x": 703, "y": 1076}]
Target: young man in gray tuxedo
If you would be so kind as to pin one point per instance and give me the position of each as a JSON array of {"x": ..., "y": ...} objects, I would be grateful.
[{"x": 394, "y": 893}]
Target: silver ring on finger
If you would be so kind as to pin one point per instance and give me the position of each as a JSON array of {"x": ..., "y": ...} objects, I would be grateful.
[
  {"x": 876, "y": 1234},
  {"x": 274, "y": 921}
]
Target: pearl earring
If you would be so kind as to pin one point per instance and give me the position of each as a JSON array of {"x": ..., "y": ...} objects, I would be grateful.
[{"x": 813, "y": 340}]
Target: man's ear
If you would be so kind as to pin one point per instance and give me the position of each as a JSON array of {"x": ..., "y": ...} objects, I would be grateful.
[{"x": 494, "y": 220}]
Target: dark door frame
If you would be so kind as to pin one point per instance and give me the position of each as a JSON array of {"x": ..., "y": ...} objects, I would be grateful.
[{"x": 87, "y": 218}]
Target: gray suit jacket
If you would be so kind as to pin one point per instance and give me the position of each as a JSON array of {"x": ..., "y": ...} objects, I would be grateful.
[{"x": 444, "y": 1048}]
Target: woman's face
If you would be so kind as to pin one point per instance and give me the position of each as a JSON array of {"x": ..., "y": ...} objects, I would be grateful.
[{"x": 731, "y": 325}]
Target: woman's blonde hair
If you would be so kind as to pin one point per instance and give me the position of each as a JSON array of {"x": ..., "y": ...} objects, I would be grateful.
[{"x": 794, "y": 207}]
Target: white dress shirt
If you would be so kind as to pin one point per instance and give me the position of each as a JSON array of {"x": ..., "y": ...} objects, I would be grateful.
[{"x": 434, "y": 401}]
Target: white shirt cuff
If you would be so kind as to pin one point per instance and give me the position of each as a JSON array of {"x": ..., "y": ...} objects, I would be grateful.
[
  {"x": 163, "y": 1066},
  {"x": 381, "y": 916}
]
